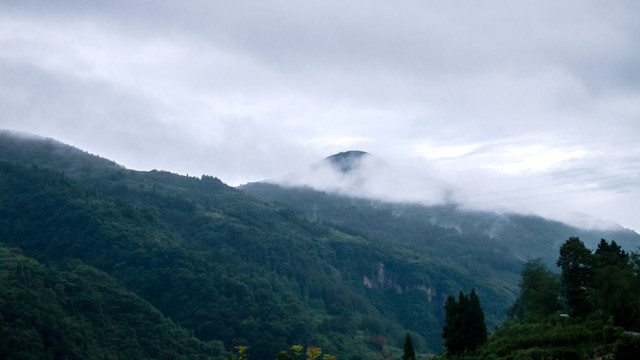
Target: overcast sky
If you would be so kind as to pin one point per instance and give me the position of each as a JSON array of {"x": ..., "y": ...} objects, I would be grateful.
[{"x": 533, "y": 106}]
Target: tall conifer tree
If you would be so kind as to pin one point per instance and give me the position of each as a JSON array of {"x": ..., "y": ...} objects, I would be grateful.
[
  {"x": 408, "y": 354},
  {"x": 476, "y": 330},
  {"x": 576, "y": 264},
  {"x": 464, "y": 328}
]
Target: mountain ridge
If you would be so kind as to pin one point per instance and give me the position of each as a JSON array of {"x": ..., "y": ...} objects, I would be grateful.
[
  {"x": 226, "y": 265},
  {"x": 239, "y": 269},
  {"x": 333, "y": 203}
]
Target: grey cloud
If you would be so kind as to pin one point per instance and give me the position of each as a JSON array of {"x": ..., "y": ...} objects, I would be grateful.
[
  {"x": 129, "y": 129},
  {"x": 247, "y": 90}
]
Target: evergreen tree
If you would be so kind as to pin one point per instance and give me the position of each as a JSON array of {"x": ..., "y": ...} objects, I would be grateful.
[
  {"x": 576, "y": 264},
  {"x": 451, "y": 332},
  {"x": 408, "y": 354},
  {"x": 464, "y": 328},
  {"x": 476, "y": 330},
  {"x": 539, "y": 292},
  {"x": 610, "y": 254},
  {"x": 615, "y": 288}
]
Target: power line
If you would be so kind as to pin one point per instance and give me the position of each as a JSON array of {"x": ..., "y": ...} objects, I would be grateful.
[
  {"x": 563, "y": 184},
  {"x": 529, "y": 194}
]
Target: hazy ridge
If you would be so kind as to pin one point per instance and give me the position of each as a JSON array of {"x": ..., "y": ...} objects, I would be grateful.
[{"x": 231, "y": 269}]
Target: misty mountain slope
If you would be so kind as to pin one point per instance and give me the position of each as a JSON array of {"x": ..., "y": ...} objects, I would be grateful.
[
  {"x": 45, "y": 152},
  {"x": 228, "y": 266},
  {"x": 360, "y": 174},
  {"x": 374, "y": 212},
  {"x": 394, "y": 223}
]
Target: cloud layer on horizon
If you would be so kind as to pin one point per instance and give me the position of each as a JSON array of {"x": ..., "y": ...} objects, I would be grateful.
[{"x": 489, "y": 97}]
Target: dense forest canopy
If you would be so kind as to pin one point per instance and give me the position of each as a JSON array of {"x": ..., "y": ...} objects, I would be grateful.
[
  {"x": 590, "y": 310},
  {"x": 213, "y": 267}
]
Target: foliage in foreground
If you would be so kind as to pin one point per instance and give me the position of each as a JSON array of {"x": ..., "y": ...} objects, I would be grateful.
[
  {"x": 553, "y": 336},
  {"x": 581, "y": 314},
  {"x": 295, "y": 352}
]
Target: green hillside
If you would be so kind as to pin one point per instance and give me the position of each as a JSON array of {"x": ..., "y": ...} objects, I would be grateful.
[
  {"x": 224, "y": 265},
  {"x": 351, "y": 276},
  {"x": 500, "y": 240},
  {"x": 78, "y": 312}
]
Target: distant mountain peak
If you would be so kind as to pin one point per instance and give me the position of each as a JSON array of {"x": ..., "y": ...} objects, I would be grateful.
[
  {"x": 348, "y": 154},
  {"x": 360, "y": 174},
  {"x": 346, "y": 161}
]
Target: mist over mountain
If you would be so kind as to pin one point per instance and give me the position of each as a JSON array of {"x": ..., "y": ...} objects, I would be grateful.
[
  {"x": 348, "y": 161},
  {"x": 361, "y": 174},
  {"x": 226, "y": 266},
  {"x": 266, "y": 265},
  {"x": 359, "y": 182}
]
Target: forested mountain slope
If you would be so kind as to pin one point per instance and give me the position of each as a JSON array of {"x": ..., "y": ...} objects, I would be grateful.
[
  {"x": 78, "y": 312},
  {"x": 229, "y": 267},
  {"x": 501, "y": 240},
  {"x": 234, "y": 270}
]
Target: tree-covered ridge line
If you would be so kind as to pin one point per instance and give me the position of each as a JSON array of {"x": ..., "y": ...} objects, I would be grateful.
[
  {"x": 46, "y": 152},
  {"x": 590, "y": 310},
  {"x": 604, "y": 283},
  {"x": 164, "y": 255},
  {"x": 54, "y": 219},
  {"x": 250, "y": 272},
  {"x": 232, "y": 269},
  {"x": 501, "y": 241}
]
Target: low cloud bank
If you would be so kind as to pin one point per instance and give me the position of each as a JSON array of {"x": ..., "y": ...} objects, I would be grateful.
[{"x": 571, "y": 199}]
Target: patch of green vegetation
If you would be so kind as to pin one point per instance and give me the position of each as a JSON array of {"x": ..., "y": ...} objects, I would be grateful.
[
  {"x": 79, "y": 312},
  {"x": 583, "y": 313}
]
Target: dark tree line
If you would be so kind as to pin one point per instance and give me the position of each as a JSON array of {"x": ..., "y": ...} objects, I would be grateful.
[
  {"x": 587, "y": 310},
  {"x": 464, "y": 329},
  {"x": 408, "y": 352},
  {"x": 603, "y": 283}
]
